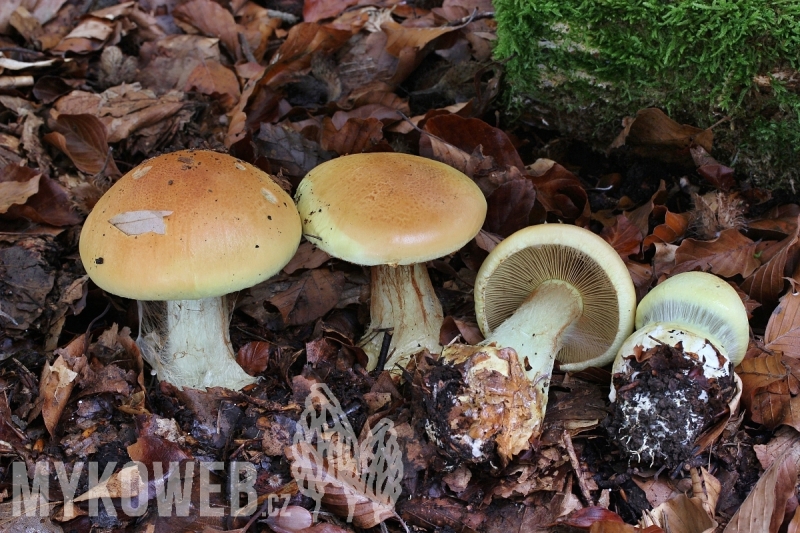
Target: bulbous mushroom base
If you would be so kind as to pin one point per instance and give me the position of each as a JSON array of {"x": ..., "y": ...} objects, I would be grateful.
[
  {"x": 666, "y": 398},
  {"x": 478, "y": 403},
  {"x": 403, "y": 300},
  {"x": 187, "y": 342}
]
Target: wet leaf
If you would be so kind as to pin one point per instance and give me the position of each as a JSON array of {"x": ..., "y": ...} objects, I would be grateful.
[
  {"x": 560, "y": 192},
  {"x": 623, "y": 236},
  {"x": 213, "y": 79},
  {"x": 728, "y": 255},
  {"x": 584, "y": 518},
  {"x": 141, "y": 222},
  {"x": 468, "y": 134}
]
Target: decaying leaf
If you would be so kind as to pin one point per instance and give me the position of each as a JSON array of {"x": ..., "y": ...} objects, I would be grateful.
[
  {"x": 314, "y": 294},
  {"x": 728, "y": 255},
  {"x": 141, "y": 222},
  {"x": 83, "y": 139},
  {"x": 58, "y": 380},
  {"x": 17, "y": 184}
]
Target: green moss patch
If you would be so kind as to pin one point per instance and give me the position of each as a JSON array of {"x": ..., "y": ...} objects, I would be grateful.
[{"x": 587, "y": 64}]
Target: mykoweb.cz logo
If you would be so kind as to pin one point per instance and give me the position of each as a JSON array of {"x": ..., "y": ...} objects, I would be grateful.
[{"x": 358, "y": 479}]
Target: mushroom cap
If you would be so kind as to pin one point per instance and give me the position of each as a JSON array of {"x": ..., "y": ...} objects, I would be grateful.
[
  {"x": 703, "y": 304},
  {"x": 536, "y": 254},
  {"x": 188, "y": 225},
  {"x": 389, "y": 208}
]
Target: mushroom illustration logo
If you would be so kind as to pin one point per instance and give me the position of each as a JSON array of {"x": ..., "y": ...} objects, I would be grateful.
[
  {"x": 188, "y": 228},
  {"x": 675, "y": 373},
  {"x": 548, "y": 292},
  {"x": 392, "y": 212}
]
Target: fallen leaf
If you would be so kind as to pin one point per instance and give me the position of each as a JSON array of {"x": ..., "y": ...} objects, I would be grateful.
[
  {"x": 307, "y": 256},
  {"x": 560, "y": 192},
  {"x": 767, "y": 283},
  {"x": 315, "y": 10},
  {"x": 58, "y": 380},
  {"x": 785, "y": 438},
  {"x": 415, "y": 38},
  {"x": 652, "y": 134},
  {"x": 682, "y": 514},
  {"x": 288, "y": 151},
  {"x": 728, "y": 255},
  {"x": 584, "y": 518},
  {"x": 253, "y": 357},
  {"x": 509, "y": 206},
  {"x": 356, "y": 136},
  {"x": 211, "y": 78},
  {"x": 673, "y": 228},
  {"x": 212, "y": 20},
  {"x": 623, "y": 236},
  {"x": 83, "y": 139},
  {"x": 141, "y": 222},
  {"x": 468, "y": 134},
  {"x": 763, "y": 509},
  {"x": 310, "y": 297},
  {"x": 783, "y": 329},
  {"x": 17, "y": 184}
]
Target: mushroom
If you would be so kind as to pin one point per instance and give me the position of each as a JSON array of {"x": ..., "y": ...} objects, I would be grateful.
[
  {"x": 188, "y": 228},
  {"x": 676, "y": 371},
  {"x": 393, "y": 212},
  {"x": 551, "y": 291}
]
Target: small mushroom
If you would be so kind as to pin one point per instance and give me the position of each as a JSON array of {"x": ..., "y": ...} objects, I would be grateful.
[
  {"x": 676, "y": 371},
  {"x": 188, "y": 228},
  {"x": 392, "y": 212},
  {"x": 551, "y": 291}
]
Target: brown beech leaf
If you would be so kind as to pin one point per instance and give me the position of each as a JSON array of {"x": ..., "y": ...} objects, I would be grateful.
[
  {"x": 254, "y": 356},
  {"x": 641, "y": 215},
  {"x": 58, "y": 380},
  {"x": 718, "y": 175},
  {"x": 652, "y": 134},
  {"x": 400, "y": 37},
  {"x": 623, "y": 236},
  {"x": 771, "y": 405},
  {"x": 487, "y": 241},
  {"x": 288, "y": 151},
  {"x": 509, "y": 207},
  {"x": 17, "y": 184},
  {"x": 315, "y": 10},
  {"x": 767, "y": 283},
  {"x": 314, "y": 294},
  {"x": 776, "y": 223},
  {"x": 469, "y": 133},
  {"x": 682, "y": 514},
  {"x": 83, "y": 138},
  {"x": 764, "y": 508},
  {"x": 151, "y": 449},
  {"x": 212, "y": 20},
  {"x": 673, "y": 228},
  {"x": 560, "y": 192},
  {"x": 758, "y": 373},
  {"x": 211, "y": 78},
  {"x": 783, "y": 328},
  {"x": 50, "y": 205},
  {"x": 307, "y": 256},
  {"x": 584, "y": 518},
  {"x": 728, "y": 255},
  {"x": 356, "y": 136}
]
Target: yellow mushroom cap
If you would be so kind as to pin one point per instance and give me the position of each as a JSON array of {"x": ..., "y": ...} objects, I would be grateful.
[
  {"x": 536, "y": 254},
  {"x": 389, "y": 208},
  {"x": 188, "y": 225},
  {"x": 703, "y": 304}
]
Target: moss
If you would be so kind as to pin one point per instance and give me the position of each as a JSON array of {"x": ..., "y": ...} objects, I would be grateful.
[{"x": 585, "y": 64}]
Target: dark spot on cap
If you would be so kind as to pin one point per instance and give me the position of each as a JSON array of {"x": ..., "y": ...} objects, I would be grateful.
[
  {"x": 269, "y": 217},
  {"x": 256, "y": 246},
  {"x": 98, "y": 261},
  {"x": 169, "y": 182}
]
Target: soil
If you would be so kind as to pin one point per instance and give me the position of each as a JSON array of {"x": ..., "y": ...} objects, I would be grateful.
[{"x": 664, "y": 402}]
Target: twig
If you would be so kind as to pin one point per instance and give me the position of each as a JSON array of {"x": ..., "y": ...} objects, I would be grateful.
[
  {"x": 387, "y": 340},
  {"x": 576, "y": 466},
  {"x": 89, "y": 329},
  {"x": 14, "y": 82}
]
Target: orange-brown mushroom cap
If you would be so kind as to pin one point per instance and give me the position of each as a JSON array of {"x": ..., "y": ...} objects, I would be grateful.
[
  {"x": 389, "y": 208},
  {"x": 188, "y": 225}
]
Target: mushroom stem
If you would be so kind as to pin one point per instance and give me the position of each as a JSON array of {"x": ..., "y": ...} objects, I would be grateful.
[
  {"x": 536, "y": 331},
  {"x": 402, "y": 299},
  {"x": 195, "y": 350}
]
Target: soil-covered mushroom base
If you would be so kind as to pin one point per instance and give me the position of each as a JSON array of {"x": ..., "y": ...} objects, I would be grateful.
[{"x": 664, "y": 402}]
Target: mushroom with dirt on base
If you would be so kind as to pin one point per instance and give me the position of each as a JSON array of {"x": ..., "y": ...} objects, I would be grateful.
[
  {"x": 188, "y": 228},
  {"x": 675, "y": 373},
  {"x": 551, "y": 291},
  {"x": 392, "y": 212}
]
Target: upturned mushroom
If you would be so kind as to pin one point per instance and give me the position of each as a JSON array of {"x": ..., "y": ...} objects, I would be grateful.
[
  {"x": 392, "y": 212},
  {"x": 188, "y": 228},
  {"x": 675, "y": 373},
  {"x": 551, "y": 291}
]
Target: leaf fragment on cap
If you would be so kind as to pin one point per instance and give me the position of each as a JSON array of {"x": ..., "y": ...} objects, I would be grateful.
[{"x": 140, "y": 222}]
